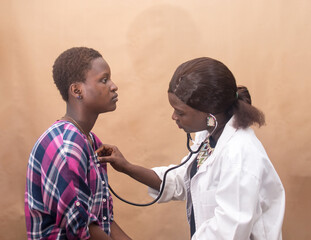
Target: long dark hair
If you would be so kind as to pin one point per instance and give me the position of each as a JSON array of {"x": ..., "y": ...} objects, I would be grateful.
[{"x": 209, "y": 86}]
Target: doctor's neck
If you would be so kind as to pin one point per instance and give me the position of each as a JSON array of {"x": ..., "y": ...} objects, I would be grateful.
[{"x": 222, "y": 120}]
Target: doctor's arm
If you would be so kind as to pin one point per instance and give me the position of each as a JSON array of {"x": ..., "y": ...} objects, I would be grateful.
[{"x": 111, "y": 154}]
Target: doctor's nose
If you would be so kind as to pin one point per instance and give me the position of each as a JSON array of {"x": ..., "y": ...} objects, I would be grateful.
[{"x": 174, "y": 117}]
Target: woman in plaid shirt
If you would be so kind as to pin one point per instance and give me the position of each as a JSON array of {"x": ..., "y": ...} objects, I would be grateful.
[{"x": 67, "y": 194}]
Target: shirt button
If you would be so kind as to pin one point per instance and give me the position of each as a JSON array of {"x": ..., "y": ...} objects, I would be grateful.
[
  {"x": 105, "y": 218},
  {"x": 98, "y": 165},
  {"x": 103, "y": 182},
  {"x": 77, "y": 204},
  {"x": 104, "y": 200}
]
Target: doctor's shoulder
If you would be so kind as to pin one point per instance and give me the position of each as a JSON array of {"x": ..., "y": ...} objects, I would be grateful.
[{"x": 244, "y": 150}]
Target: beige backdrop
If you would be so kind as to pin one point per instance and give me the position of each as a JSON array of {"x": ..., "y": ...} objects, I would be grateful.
[{"x": 265, "y": 43}]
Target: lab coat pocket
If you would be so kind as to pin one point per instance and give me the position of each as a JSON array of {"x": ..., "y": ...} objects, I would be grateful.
[{"x": 208, "y": 202}]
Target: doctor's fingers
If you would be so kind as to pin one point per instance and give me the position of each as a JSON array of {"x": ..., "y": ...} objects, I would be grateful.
[
  {"x": 118, "y": 163},
  {"x": 106, "y": 159},
  {"x": 106, "y": 150}
]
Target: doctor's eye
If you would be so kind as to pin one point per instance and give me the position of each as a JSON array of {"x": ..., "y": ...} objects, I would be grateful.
[{"x": 179, "y": 113}]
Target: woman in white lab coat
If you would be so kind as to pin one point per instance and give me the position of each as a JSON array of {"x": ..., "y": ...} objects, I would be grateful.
[{"x": 231, "y": 187}]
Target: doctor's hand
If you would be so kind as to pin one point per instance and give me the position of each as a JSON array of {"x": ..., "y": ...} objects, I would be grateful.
[{"x": 111, "y": 154}]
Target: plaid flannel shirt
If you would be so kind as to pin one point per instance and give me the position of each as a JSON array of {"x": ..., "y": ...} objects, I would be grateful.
[{"x": 66, "y": 188}]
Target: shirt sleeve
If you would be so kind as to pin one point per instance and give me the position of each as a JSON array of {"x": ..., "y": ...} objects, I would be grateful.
[
  {"x": 66, "y": 192},
  {"x": 175, "y": 185},
  {"x": 174, "y": 188}
]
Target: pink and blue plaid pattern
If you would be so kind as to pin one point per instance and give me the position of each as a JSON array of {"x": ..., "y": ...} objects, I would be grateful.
[{"x": 66, "y": 189}]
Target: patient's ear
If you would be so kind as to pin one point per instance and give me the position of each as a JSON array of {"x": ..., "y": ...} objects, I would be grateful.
[{"x": 75, "y": 90}]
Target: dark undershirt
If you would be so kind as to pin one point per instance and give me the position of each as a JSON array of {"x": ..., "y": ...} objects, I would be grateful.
[{"x": 193, "y": 171}]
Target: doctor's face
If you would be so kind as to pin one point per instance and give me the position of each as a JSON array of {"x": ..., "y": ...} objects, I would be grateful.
[{"x": 186, "y": 117}]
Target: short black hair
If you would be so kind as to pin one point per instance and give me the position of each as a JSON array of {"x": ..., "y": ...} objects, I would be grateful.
[{"x": 71, "y": 66}]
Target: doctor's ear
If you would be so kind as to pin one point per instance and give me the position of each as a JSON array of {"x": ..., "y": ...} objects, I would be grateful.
[{"x": 75, "y": 90}]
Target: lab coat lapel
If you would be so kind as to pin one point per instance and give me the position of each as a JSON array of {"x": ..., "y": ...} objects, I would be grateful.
[{"x": 227, "y": 133}]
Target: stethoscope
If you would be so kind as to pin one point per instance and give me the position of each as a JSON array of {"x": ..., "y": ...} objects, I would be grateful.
[{"x": 191, "y": 152}]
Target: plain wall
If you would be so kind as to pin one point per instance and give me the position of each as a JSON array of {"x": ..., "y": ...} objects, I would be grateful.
[{"x": 266, "y": 44}]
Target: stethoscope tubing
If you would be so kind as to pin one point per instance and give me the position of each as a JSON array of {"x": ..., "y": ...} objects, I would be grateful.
[{"x": 191, "y": 152}]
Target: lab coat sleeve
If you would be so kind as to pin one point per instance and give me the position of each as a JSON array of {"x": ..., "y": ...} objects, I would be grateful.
[
  {"x": 236, "y": 200},
  {"x": 174, "y": 186}
]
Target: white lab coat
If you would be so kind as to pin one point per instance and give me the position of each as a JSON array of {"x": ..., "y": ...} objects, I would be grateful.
[{"x": 236, "y": 194}]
